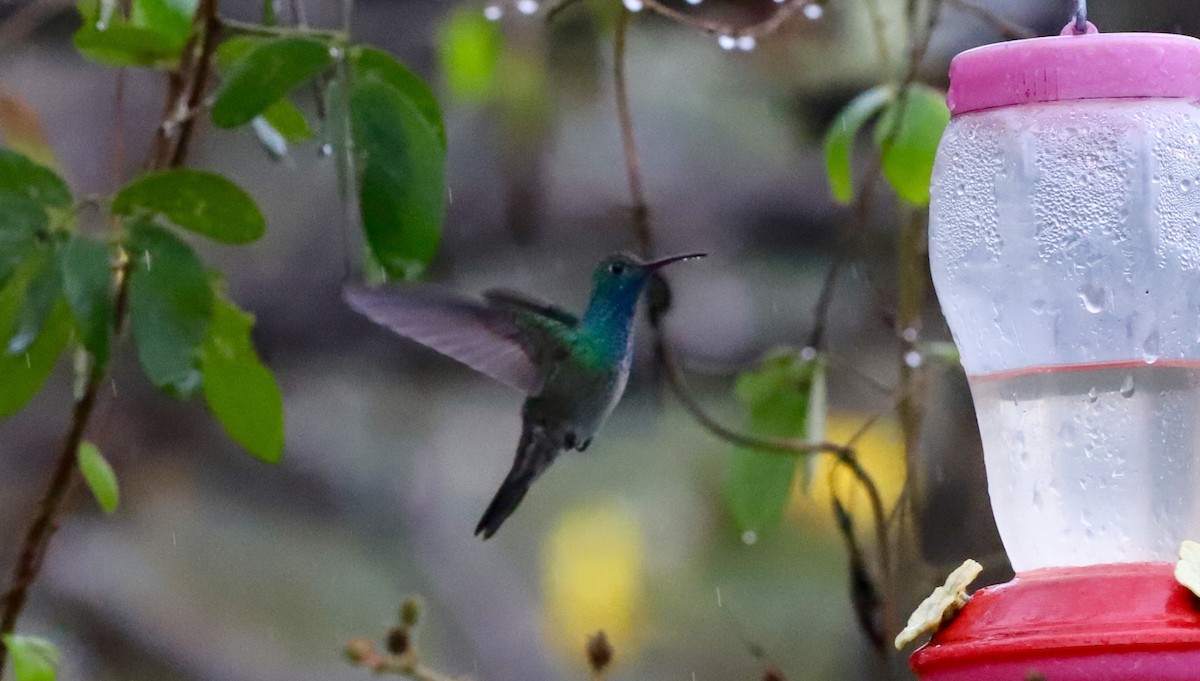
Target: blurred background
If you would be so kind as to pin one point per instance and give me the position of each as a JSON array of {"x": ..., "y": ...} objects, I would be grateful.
[{"x": 218, "y": 567}]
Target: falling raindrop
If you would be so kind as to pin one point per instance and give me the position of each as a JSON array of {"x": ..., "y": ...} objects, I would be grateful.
[
  {"x": 634, "y": 5},
  {"x": 909, "y": 335},
  {"x": 1093, "y": 395},
  {"x": 335, "y": 53},
  {"x": 813, "y": 11},
  {"x": 527, "y": 6},
  {"x": 913, "y": 359},
  {"x": 746, "y": 43},
  {"x": 1127, "y": 386},
  {"x": 493, "y": 12},
  {"x": 808, "y": 353},
  {"x": 326, "y": 149},
  {"x": 727, "y": 42},
  {"x": 749, "y": 537}
]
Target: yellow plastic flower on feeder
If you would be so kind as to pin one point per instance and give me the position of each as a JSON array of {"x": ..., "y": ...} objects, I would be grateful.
[
  {"x": 1187, "y": 570},
  {"x": 593, "y": 577},
  {"x": 941, "y": 605}
]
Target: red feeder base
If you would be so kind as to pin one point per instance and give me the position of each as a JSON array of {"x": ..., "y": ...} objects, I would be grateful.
[{"x": 1123, "y": 622}]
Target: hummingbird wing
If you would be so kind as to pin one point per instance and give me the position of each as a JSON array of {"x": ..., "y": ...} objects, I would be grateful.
[
  {"x": 520, "y": 301},
  {"x": 495, "y": 339}
]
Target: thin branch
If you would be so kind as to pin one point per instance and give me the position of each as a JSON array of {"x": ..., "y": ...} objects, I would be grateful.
[
  {"x": 1005, "y": 27},
  {"x": 244, "y": 28},
  {"x": 185, "y": 85},
  {"x": 767, "y": 26}
]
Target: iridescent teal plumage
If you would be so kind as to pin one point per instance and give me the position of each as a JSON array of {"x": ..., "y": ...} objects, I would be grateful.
[{"x": 573, "y": 370}]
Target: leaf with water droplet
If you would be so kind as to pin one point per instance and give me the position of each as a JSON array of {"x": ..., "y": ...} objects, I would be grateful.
[
  {"x": 907, "y": 135},
  {"x": 21, "y": 376},
  {"x": 839, "y": 139},
  {"x": 265, "y": 75}
]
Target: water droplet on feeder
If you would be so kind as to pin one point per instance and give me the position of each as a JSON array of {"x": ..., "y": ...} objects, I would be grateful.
[
  {"x": 493, "y": 12},
  {"x": 1092, "y": 297},
  {"x": 1150, "y": 348},
  {"x": 1093, "y": 395},
  {"x": 813, "y": 11},
  {"x": 1127, "y": 386},
  {"x": 527, "y": 6}
]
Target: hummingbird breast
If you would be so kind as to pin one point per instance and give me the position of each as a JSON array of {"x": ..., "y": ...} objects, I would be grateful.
[{"x": 580, "y": 393}]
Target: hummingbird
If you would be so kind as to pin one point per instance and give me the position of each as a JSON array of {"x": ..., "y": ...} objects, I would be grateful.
[{"x": 572, "y": 370}]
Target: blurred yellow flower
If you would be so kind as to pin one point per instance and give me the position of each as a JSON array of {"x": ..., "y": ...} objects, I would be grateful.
[
  {"x": 881, "y": 453},
  {"x": 593, "y": 580}
]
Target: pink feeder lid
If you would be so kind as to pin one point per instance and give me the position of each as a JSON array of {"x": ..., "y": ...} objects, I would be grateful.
[{"x": 1068, "y": 67}]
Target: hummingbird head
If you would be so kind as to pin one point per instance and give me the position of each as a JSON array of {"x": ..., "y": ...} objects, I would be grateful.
[{"x": 620, "y": 278}]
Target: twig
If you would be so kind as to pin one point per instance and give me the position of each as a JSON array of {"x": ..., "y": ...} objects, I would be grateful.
[
  {"x": 235, "y": 26},
  {"x": 1005, "y": 27},
  {"x": 186, "y": 85},
  {"x": 767, "y": 26}
]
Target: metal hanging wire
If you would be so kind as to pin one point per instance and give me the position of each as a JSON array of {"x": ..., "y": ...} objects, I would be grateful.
[{"x": 1079, "y": 17}]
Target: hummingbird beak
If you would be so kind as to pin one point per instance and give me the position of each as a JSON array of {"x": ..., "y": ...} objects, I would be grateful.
[{"x": 663, "y": 262}]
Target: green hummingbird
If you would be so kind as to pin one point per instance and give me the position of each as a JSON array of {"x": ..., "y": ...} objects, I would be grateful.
[{"x": 572, "y": 370}]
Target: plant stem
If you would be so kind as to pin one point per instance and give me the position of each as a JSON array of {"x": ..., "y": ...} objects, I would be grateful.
[{"x": 169, "y": 150}]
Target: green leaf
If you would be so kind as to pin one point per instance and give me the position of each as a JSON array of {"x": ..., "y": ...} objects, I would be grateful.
[
  {"x": 240, "y": 391},
  {"x": 839, "y": 139},
  {"x": 154, "y": 35},
  {"x": 203, "y": 202},
  {"x": 777, "y": 393},
  {"x": 171, "y": 18},
  {"x": 21, "y": 376},
  {"x": 21, "y": 220},
  {"x": 87, "y": 281},
  {"x": 170, "y": 305},
  {"x": 23, "y": 178},
  {"x": 264, "y": 76},
  {"x": 402, "y": 185},
  {"x": 41, "y": 295},
  {"x": 470, "y": 47},
  {"x": 908, "y": 149},
  {"x": 33, "y": 658},
  {"x": 99, "y": 476},
  {"x": 370, "y": 62},
  {"x": 287, "y": 119}
]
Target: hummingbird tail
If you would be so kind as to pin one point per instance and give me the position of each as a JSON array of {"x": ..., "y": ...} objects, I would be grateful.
[{"x": 534, "y": 455}]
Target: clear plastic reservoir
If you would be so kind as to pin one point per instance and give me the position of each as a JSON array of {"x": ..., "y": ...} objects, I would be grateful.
[{"x": 1065, "y": 247}]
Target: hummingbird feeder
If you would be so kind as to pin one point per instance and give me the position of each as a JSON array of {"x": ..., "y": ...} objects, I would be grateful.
[{"x": 1065, "y": 249}]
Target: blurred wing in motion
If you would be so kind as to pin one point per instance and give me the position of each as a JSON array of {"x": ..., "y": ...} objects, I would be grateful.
[
  {"x": 500, "y": 340},
  {"x": 524, "y": 303}
]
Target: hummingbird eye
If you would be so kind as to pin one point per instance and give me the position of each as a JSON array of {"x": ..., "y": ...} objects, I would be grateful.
[{"x": 617, "y": 268}]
